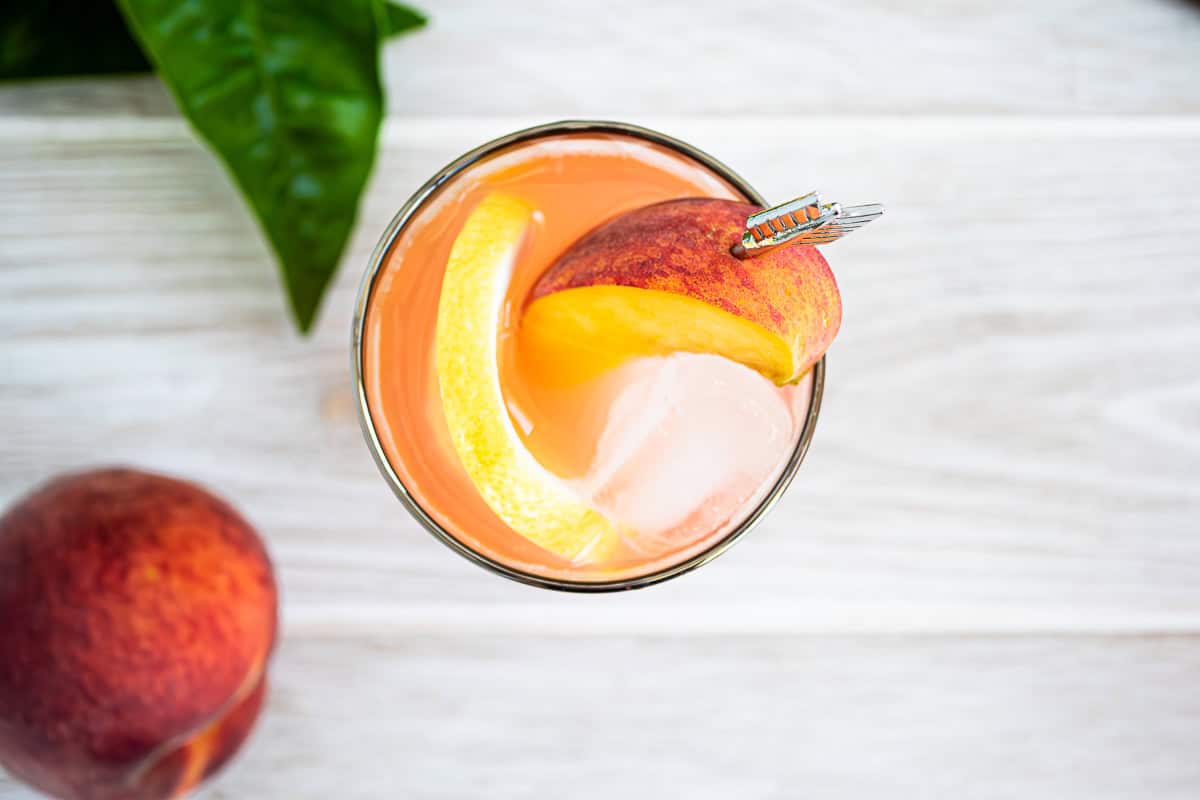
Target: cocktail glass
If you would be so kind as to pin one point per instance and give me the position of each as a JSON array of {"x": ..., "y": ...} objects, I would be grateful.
[{"x": 586, "y": 171}]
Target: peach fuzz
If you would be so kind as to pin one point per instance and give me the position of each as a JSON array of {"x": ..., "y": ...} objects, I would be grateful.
[
  {"x": 137, "y": 614},
  {"x": 662, "y": 279}
]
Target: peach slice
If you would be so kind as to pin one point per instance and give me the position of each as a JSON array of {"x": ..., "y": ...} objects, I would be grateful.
[
  {"x": 527, "y": 497},
  {"x": 661, "y": 279}
]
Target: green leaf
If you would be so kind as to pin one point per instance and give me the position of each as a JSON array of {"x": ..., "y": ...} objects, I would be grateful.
[
  {"x": 402, "y": 19},
  {"x": 287, "y": 92},
  {"x": 66, "y": 37}
]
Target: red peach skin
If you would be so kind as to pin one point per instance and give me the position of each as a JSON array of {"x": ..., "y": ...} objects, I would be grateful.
[
  {"x": 137, "y": 613},
  {"x": 777, "y": 312}
]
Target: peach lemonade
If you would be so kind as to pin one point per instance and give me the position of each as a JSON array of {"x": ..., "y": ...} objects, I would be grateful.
[{"x": 565, "y": 372}]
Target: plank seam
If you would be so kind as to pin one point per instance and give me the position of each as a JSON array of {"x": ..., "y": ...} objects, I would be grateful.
[{"x": 399, "y": 131}]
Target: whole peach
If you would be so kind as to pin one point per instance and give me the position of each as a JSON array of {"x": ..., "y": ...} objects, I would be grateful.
[{"x": 137, "y": 614}]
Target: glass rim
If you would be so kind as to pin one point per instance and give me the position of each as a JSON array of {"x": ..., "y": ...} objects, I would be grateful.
[{"x": 366, "y": 288}]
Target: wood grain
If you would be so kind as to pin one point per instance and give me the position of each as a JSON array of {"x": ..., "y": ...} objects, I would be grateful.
[
  {"x": 1009, "y": 440},
  {"x": 765, "y": 718},
  {"x": 985, "y": 582},
  {"x": 628, "y": 57}
]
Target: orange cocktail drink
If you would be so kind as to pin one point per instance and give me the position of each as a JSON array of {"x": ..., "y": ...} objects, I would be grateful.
[{"x": 516, "y": 435}]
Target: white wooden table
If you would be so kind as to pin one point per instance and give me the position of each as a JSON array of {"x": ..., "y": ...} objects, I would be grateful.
[{"x": 985, "y": 582}]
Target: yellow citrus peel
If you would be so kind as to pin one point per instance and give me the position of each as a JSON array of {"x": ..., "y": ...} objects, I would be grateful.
[{"x": 522, "y": 493}]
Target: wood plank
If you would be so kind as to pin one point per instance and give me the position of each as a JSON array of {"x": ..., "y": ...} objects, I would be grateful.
[
  {"x": 814, "y": 717},
  {"x": 627, "y": 58},
  {"x": 1009, "y": 440}
]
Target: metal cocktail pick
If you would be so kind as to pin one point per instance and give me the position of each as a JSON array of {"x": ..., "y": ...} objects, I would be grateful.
[{"x": 804, "y": 220}]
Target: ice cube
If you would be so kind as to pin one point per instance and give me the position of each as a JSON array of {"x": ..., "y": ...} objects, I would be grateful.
[{"x": 689, "y": 439}]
